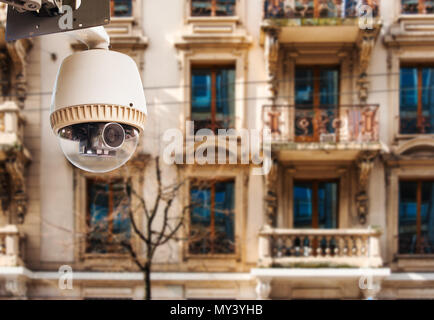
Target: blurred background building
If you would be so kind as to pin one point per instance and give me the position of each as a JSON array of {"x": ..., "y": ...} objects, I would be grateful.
[{"x": 347, "y": 210}]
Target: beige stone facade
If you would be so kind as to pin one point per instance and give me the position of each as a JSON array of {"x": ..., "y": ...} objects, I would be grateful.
[{"x": 357, "y": 146}]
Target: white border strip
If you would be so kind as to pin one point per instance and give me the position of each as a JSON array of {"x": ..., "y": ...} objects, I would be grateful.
[
  {"x": 410, "y": 276},
  {"x": 127, "y": 276}
]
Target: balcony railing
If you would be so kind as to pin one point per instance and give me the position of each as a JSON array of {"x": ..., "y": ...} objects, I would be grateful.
[
  {"x": 326, "y": 124},
  {"x": 417, "y": 6},
  {"x": 284, "y": 9},
  {"x": 297, "y": 248},
  {"x": 11, "y": 247}
]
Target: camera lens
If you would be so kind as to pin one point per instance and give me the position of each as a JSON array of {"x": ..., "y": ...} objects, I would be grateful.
[
  {"x": 98, "y": 147},
  {"x": 113, "y": 135}
]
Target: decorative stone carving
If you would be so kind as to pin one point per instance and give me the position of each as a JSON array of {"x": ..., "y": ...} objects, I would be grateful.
[
  {"x": 365, "y": 163},
  {"x": 272, "y": 60},
  {"x": 366, "y": 44},
  {"x": 271, "y": 195},
  {"x": 17, "y": 51}
]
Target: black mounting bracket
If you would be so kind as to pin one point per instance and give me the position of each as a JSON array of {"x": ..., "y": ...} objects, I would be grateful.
[{"x": 91, "y": 13}]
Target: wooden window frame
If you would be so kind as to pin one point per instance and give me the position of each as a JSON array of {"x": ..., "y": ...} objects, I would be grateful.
[
  {"x": 213, "y": 69},
  {"x": 315, "y": 183},
  {"x": 420, "y": 120},
  {"x": 316, "y": 99},
  {"x": 418, "y": 218},
  {"x": 110, "y": 182},
  {"x": 213, "y": 10},
  {"x": 117, "y": 261},
  {"x": 212, "y": 183}
]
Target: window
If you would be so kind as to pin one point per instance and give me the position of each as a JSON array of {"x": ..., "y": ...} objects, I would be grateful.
[
  {"x": 315, "y": 204},
  {"x": 213, "y": 98},
  {"x": 212, "y": 226},
  {"x": 416, "y": 217},
  {"x": 417, "y": 100},
  {"x": 417, "y": 6},
  {"x": 108, "y": 217},
  {"x": 316, "y": 102},
  {"x": 121, "y": 8},
  {"x": 212, "y": 8}
]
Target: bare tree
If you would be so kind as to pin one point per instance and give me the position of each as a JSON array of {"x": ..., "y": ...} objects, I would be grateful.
[
  {"x": 155, "y": 233},
  {"x": 150, "y": 222}
]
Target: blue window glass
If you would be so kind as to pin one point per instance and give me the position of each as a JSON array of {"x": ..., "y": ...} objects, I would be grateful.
[
  {"x": 315, "y": 204},
  {"x": 213, "y": 7},
  {"x": 213, "y": 98},
  {"x": 416, "y": 217},
  {"x": 416, "y": 100},
  {"x": 225, "y": 7},
  {"x": 427, "y": 113},
  {"x": 303, "y": 209},
  {"x": 122, "y": 8},
  {"x": 316, "y": 102},
  {"x": 108, "y": 221},
  {"x": 212, "y": 224}
]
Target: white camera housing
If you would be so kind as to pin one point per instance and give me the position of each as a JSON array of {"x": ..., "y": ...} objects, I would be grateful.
[{"x": 98, "y": 97}]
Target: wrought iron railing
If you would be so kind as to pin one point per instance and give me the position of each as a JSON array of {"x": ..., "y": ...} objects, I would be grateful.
[
  {"x": 417, "y": 6},
  {"x": 326, "y": 124},
  {"x": 289, "y": 9},
  {"x": 319, "y": 247},
  {"x": 416, "y": 124}
]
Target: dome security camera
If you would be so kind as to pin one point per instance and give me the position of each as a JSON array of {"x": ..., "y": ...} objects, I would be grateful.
[{"x": 98, "y": 109}]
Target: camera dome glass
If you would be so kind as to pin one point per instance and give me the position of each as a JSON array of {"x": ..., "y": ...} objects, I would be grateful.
[{"x": 98, "y": 147}]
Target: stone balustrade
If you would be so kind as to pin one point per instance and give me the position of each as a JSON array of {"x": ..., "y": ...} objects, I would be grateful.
[{"x": 319, "y": 248}]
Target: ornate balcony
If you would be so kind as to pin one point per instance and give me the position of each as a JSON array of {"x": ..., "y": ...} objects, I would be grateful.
[
  {"x": 417, "y": 6},
  {"x": 319, "y": 248},
  {"x": 336, "y": 10},
  {"x": 345, "y": 128},
  {"x": 351, "y": 17},
  {"x": 11, "y": 247}
]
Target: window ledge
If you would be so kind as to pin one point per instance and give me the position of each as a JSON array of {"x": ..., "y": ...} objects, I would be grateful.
[
  {"x": 105, "y": 256},
  {"x": 204, "y": 257},
  {"x": 415, "y": 256},
  {"x": 415, "y": 16},
  {"x": 122, "y": 19},
  {"x": 414, "y": 262},
  {"x": 414, "y": 136},
  {"x": 233, "y": 19}
]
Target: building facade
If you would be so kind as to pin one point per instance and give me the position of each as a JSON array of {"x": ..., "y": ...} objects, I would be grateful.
[{"x": 344, "y": 87}]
